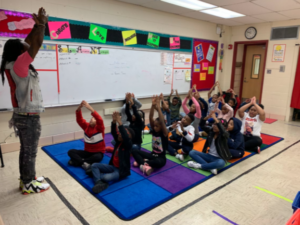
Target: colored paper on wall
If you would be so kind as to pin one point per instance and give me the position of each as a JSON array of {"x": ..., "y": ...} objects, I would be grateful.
[
  {"x": 202, "y": 76},
  {"x": 153, "y": 40},
  {"x": 174, "y": 42},
  {"x": 20, "y": 25},
  {"x": 179, "y": 74},
  {"x": 210, "y": 53},
  {"x": 196, "y": 67},
  {"x": 129, "y": 37},
  {"x": 168, "y": 75},
  {"x": 59, "y": 30},
  {"x": 98, "y": 33},
  {"x": 199, "y": 52},
  {"x": 188, "y": 75},
  {"x": 205, "y": 66},
  {"x": 2, "y": 16},
  {"x": 104, "y": 52},
  {"x": 211, "y": 70}
]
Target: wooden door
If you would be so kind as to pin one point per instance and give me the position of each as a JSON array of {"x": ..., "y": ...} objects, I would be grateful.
[{"x": 253, "y": 71}]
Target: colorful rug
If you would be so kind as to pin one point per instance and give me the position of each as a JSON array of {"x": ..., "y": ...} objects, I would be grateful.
[
  {"x": 269, "y": 121},
  {"x": 137, "y": 194}
]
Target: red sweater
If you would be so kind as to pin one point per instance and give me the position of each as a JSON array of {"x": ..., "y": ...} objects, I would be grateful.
[{"x": 93, "y": 136}]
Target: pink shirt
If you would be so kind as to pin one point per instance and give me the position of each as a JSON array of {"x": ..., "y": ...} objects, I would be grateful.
[
  {"x": 228, "y": 115},
  {"x": 187, "y": 111},
  {"x": 22, "y": 63}
]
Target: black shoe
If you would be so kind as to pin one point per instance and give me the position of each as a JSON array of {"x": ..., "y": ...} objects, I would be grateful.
[
  {"x": 99, "y": 187},
  {"x": 89, "y": 172}
]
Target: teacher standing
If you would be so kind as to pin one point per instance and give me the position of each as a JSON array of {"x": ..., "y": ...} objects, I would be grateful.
[{"x": 26, "y": 99}]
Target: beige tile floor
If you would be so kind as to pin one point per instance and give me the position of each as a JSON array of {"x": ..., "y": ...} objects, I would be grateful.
[{"x": 239, "y": 201}]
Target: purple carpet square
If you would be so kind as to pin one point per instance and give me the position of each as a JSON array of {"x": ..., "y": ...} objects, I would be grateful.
[
  {"x": 108, "y": 138},
  {"x": 168, "y": 165},
  {"x": 176, "y": 179}
]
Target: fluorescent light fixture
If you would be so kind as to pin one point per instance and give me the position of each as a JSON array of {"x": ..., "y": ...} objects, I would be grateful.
[
  {"x": 220, "y": 12},
  {"x": 190, "y": 4}
]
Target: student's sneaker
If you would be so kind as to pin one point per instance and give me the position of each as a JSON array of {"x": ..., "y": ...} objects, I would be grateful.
[
  {"x": 180, "y": 157},
  {"x": 100, "y": 186},
  {"x": 146, "y": 169},
  {"x": 214, "y": 171},
  {"x": 86, "y": 166},
  {"x": 34, "y": 187},
  {"x": 38, "y": 179},
  {"x": 258, "y": 150},
  {"x": 193, "y": 164},
  {"x": 135, "y": 164},
  {"x": 146, "y": 131}
]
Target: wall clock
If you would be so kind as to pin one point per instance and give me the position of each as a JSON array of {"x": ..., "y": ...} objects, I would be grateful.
[{"x": 250, "y": 32}]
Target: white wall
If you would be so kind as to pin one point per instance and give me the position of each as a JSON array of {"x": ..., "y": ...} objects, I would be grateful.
[
  {"x": 58, "y": 121},
  {"x": 277, "y": 87}
]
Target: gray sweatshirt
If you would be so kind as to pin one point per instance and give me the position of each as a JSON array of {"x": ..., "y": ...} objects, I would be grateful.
[{"x": 123, "y": 114}]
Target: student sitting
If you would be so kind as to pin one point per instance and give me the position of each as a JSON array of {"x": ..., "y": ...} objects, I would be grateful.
[
  {"x": 194, "y": 109},
  {"x": 94, "y": 144},
  {"x": 236, "y": 142},
  {"x": 226, "y": 111},
  {"x": 136, "y": 120},
  {"x": 232, "y": 99},
  {"x": 175, "y": 106},
  {"x": 157, "y": 158},
  {"x": 137, "y": 104},
  {"x": 248, "y": 100},
  {"x": 203, "y": 104},
  {"x": 119, "y": 164},
  {"x": 213, "y": 100},
  {"x": 216, "y": 142},
  {"x": 165, "y": 109},
  {"x": 251, "y": 125},
  {"x": 183, "y": 133}
]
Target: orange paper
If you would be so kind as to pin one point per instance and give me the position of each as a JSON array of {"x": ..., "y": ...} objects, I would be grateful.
[{"x": 202, "y": 76}]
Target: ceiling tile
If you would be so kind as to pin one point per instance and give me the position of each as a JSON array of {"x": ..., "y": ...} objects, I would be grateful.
[
  {"x": 295, "y": 13},
  {"x": 200, "y": 16},
  {"x": 162, "y": 6},
  {"x": 226, "y": 22},
  {"x": 271, "y": 17},
  {"x": 278, "y": 5},
  {"x": 224, "y": 2},
  {"x": 247, "y": 8},
  {"x": 247, "y": 20},
  {"x": 137, "y": 2}
]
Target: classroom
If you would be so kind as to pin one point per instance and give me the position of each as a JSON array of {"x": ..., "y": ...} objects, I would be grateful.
[{"x": 149, "y": 112}]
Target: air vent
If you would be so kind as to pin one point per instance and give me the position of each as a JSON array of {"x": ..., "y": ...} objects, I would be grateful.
[{"x": 279, "y": 33}]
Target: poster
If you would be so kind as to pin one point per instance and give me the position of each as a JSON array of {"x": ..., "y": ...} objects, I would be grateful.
[
  {"x": 59, "y": 30},
  {"x": 129, "y": 37},
  {"x": 210, "y": 53},
  {"x": 153, "y": 40},
  {"x": 199, "y": 52},
  {"x": 188, "y": 75},
  {"x": 168, "y": 75},
  {"x": 174, "y": 42},
  {"x": 196, "y": 67},
  {"x": 179, "y": 74},
  {"x": 278, "y": 53},
  {"x": 98, "y": 33},
  {"x": 205, "y": 66},
  {"x": 202, "y": 76},
  {"x": 211, "y": 70}
]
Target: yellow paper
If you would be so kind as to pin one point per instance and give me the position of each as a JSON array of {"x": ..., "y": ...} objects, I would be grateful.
[
  {"x": 64, "y": 50},
  {"x": 202, "y": 76},
  {"x": 211, "y": 70},
  {"x": 129, "y": 37}
]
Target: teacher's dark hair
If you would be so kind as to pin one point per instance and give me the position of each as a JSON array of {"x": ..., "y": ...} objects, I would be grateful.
[{"x": 13, "y": 48}]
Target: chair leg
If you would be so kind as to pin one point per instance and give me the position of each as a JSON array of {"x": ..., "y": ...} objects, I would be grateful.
[{"x": 1, "y": 157}]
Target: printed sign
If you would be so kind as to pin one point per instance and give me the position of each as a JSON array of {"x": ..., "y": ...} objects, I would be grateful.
[
  {"x": 153, "y": 40},
  {"x": 211, "y": 70},
  {"x": 174, "y": 42},
  {"x": 202, "y": 76},
  {"x": 59, "y": 30},
  {"x": 210, "y": 53},
  {"x": 278, "y": 53},
  {"x": 205, "y": 66},
  {"x": 199, "y": 52},
  {"x": 129, "y": 37},
  {"x": 196, "y": 67},
  {"x": 98, "y": 33}
]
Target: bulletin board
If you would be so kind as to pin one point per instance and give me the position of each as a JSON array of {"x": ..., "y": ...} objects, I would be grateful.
[{"x": 204, "y": 63}]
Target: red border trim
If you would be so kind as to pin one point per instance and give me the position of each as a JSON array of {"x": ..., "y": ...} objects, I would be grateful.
[
  {"x": 265, "y": 42},
  {"x": 57, "y": 68},
  {"x": 273, "y": 52}
]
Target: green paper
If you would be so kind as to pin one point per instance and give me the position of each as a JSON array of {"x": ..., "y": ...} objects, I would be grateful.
[
  {"x": 104, "y": 52},
  {"x": 98, "y": 34},
  {"x": 153, "y": 40},
  {"x": 73, "y": 50}
]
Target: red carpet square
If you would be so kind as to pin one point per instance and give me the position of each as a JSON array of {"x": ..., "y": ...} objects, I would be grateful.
[
  {"x": 269, "y": 121},
  {"x": 268, "y": 140}
]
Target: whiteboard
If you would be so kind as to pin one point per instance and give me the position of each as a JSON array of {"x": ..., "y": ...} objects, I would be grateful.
[
  {"x": 97, "y": 73},
  {"x": 179, "y": 80}
]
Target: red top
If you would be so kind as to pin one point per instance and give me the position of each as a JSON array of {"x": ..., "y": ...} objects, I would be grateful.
[
  {"x": 116, "y": 160},
  {"x": 93, "y": 136}
]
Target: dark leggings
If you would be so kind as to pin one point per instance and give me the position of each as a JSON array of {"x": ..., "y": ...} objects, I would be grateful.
[
  {"x": 153, "y": 161},
  {"x": 237, "y": 153},
  {"x": 174, "y": 146},
  {"x": 251, "y": 143},
  {"x": 78, "y": 157}
]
